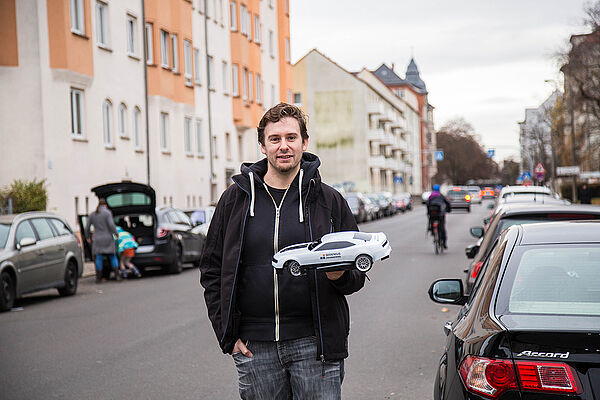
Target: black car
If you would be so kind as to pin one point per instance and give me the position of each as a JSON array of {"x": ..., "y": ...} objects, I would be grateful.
[
  {"x": 513, "y": 214},
  {"x": 357, "y": 205},
  {"x": 165, "y": 235},
  {"x": 531, "y": 327}
]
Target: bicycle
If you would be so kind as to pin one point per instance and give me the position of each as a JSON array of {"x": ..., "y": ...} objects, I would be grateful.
[{"x": 434, "y": 212}]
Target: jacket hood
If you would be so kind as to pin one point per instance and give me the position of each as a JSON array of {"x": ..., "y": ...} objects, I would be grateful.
[{"x": 253, "y": 173}]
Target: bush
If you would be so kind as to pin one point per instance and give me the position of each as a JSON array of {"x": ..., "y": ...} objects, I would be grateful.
[{"x": 26, "y": 196}]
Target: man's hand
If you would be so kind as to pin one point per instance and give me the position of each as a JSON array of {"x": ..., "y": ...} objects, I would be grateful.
[
  {"x": 335, "y": 275},
  {"x": 241, "y": 347}
]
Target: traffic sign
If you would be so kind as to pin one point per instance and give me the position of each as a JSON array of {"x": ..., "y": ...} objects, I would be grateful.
[
  {"x": 525, "y": 176},
  {"x": 539, "y": 169},
  {"x": 398, "y": 180},
  {"x": 567, "y": 171},
  {"x": 491, "y": 153},
  {"x": 439, "y": 155}
]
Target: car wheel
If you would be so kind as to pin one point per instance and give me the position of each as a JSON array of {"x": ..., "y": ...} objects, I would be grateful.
[
  {"x": 363, "y": 263},
  {"x": 294, "y": 268},
  {"x": 177, "y": 265},
  {"x": 7, "y": 291},
  {"x": 71, "y": 278}
]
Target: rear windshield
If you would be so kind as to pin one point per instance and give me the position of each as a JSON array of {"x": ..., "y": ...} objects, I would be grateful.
[
  {"x": 506, "y": 222},
  {"x": 525, "y": 193},
  {"x": 128, "y": 199},
  {"x": 560, "y": 280},
  {"x": 4, "y": 229},
  {"x": 457, "y": 193}
]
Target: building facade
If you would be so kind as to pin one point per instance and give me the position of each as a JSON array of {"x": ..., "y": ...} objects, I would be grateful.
[
  {"x": 165, "y": 92},
  {"x": 357, "y": 126}
]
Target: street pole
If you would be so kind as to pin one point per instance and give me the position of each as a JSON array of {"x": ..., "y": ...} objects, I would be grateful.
[{"x": 573, "y": 159}]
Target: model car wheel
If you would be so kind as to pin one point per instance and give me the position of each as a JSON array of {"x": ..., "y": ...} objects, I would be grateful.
[
  {"x": 7, "y": 291},
  {"x": 71, "y": 278},
  {"x": 363, "y": 263},
  {"x": 294, "y": 268}
]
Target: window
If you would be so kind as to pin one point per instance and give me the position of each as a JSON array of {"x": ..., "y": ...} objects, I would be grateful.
[
  {"x": 164, "y": 131},
  {"x": 77, "y": 21},
  {"x": 42, "y": 228},
  {"x": 228, "y": 146},
  {"x": 102, "y": 24},
  {"x": 198, "y": 137},
  {"x": 197, "y": 66},
  {"x": 221, "y": 11},
  {"x": 298, "y": 99},
  {"x": 137, "y": 140},
  {"x": 187, "y": 61},
  {"x": 225, "y": 74},
  {"x": 214, "y": 146},
  {"x": 122, "y": 120},
  {"x": 272, "y": 95},
  {"x": 240, "y": 148},
  {"x": 61, "y": 228},
  {"x": 287, "y": 6},
  {"x": 187, "y": 135},
  {"x": 174, "y": 53},
  {"x": 245, "y": 84},
  {"x": 335, "y": 246},
  {"x": 164, "y": 49},
  {"x": 250, "y": 87},
  {"x": 76, "y": 112},
  {"x": 211, "y": 73},
  {"x": 256, "y": 29},
  {"x": 258, "y": 89},
  {"x": 131, "y": 35},
  {"x": 244, "y": 20},
  {"x": 107, "y": 123},
  {"x": 234, "y": 80},
  {"x": 287, "y": 50},
  {"x": 24, "y": 230},
  {"x": 271, "y": 47},
  {"x": 289, "y": 96},
  {"x": 200, "y": 7},
  {"x": 149, "y": 54},
  {"x": 233, "y": 16}
]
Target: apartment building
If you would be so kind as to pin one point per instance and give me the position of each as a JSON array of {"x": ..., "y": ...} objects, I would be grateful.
[
  {"x": 167, "y": 92},
  {"x": 358, "y": 127}
]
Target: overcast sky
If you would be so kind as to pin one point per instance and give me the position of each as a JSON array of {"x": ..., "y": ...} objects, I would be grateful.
[{"x": 483, "y": 60}]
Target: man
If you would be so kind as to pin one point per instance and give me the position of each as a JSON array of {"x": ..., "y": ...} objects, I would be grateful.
[
  {"x": 442, "y": 205},
  {"x": 585, "y": 194},
  {"x": 288, "y": 335}
]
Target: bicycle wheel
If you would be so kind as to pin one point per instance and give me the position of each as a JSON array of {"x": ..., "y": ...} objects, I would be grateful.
[{"x": 435, "y": 241}]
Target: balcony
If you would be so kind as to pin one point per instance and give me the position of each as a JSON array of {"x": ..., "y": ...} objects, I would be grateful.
[
  {"x": 375, "y": 108},
  {"x": 392, "y": 163},
  {"x": 387, "y": 116},
  {"x": 376, "y": 135},
  {"x": 377, "y": 161}
]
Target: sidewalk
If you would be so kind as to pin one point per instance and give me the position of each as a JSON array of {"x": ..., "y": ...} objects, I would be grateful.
[{"x": 89, "y": 269}]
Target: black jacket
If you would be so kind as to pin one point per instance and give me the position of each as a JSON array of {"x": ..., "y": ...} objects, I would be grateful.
[{"x": 324, "y": 211}]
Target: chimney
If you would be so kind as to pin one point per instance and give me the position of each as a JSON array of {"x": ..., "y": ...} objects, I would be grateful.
[{"x": 392, "y": 66}]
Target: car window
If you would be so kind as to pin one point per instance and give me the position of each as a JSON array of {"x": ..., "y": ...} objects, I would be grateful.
[
  {"x": 128, "y": 199},
  {"x": 557, "y": 280},
  {"x": 183, "y": 218},
  {"x": 494, "y": 259},
  {"x": 42, "y": 228},
  {"x": 335, "y": 245},
  {"x": 4, "y": 229},
  {"x": 24, "y": 230},
  {"x": 60, "y": 227}
]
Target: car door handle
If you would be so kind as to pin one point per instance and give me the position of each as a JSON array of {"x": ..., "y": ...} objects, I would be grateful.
[{"x": 448, "y": 327}]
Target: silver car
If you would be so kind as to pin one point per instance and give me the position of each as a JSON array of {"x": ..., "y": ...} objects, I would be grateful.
[{"x": 38, "y": 251}]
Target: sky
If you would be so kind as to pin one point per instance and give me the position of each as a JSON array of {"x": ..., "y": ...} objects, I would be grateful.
[{"x": 482, "y": 60}]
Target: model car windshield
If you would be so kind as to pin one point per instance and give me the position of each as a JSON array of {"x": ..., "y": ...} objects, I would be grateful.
[
  {"x": 4, "y": 229},
  {"x": 561, "y": 280},
  {"x": 314, "y": 244},
  {"x": 296, "y": 246}
]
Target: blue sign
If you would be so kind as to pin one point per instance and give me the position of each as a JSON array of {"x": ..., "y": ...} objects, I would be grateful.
[
  {"x": 439, "y": 155},
  {"x": 398, "y": 180},
  {"x": 491, "y": 153},
  {"x": 526, "y": 176}
]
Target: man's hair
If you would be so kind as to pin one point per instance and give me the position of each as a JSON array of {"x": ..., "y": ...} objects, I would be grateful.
[{"x": 276, "y": 113}]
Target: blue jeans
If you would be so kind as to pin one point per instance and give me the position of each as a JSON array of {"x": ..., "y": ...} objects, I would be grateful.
[
  {"x": 286, "y": 370},
  {"x": 114, "y": 262}
]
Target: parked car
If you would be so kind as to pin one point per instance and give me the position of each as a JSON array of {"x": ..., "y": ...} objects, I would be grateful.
[
  {"x": 386, "y": 204},
  {"x": 459, "y": 198},
  {"x": 165, "y": 235},
  {"x": 519, "y": 190},
  {"x": 38, "y": 250},
  {"x": 358, "y": 207},
  {"x": 378, "y": 210},
  {"x": 529, "y": 328},
  {"x": 425, "y": 197},
  {"x": 513, "y": 214},
  {"x": 371, "y": 207},
  {"x": 488, "y": 193},
  {"x": 402, "y": 201},
  {"x": 334, "y": 251},
  {"x": 201, "y": 218}
]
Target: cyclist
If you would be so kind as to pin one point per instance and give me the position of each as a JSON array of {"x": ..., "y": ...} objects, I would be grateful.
[{"x": 437, "y": 207}]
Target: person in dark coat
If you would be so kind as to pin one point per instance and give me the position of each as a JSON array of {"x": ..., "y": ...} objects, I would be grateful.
[
  {"x": 288, "y": 335},
  {"x": 585, "y": 194},
  {"x": 103, "y": 239}
]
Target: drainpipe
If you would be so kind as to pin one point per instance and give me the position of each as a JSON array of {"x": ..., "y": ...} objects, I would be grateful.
[
  {"x": 210, "y": 141},
  {"x": 146, "y": 94}
]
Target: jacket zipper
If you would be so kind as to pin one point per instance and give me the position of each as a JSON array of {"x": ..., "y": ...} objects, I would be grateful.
[{"x": 276, "y": 249}]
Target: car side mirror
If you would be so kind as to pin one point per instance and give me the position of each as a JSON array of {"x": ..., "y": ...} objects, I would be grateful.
[
  {"x": 448, "y": 291},
  {"x": 27, "y": 241},
  {"x": 477, "y": 231},
  {"x": 486, "y": 220},
  {"x": 471, "y": 250},
  {"x": 491, "y": 206}
]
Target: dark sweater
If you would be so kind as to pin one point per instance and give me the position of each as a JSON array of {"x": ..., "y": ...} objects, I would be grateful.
[{"x": 256, "y": 292}]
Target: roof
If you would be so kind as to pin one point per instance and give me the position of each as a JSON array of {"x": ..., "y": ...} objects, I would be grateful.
[
  {"x": 539, "y": 198},
  {"x": 388, "y": 76},
  {"x": 10, "y": 218},
  {"x": 561, "y": 232},
  {"x": 524, "y": 189},
  {"x": 413, "y": 77},
  {"x": 508, "y": 210}
]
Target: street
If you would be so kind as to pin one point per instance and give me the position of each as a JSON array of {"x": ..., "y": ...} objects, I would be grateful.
[{"x": 151, "y": 338}]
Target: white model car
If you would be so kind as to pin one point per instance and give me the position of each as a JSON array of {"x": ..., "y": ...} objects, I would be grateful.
[{"x": 334, "y": 251}]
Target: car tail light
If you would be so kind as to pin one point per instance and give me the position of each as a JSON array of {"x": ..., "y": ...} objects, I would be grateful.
[
  {"x": 548, "y": 377},
  {"x": 162, "y": 232},
  {"x": 488, "y": 377},
  {"x": 468, "y": 198},
  {"x": 476, "y": 269}
]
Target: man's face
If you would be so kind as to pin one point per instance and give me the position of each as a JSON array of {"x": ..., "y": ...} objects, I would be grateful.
[{"x": 283, "y": 145}]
